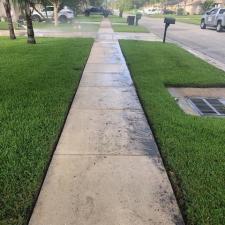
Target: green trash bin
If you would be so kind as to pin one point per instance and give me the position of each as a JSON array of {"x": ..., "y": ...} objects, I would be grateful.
[
  {"x": 130, "y": 20},
  {"x": 138, "y": 17}
]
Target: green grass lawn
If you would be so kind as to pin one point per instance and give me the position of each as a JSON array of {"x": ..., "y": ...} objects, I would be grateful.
[
  {"x": 127, "y": 28},
  {"x": 192, "y": 19},
  {"x": 91, "y": 18},
  {"x": 117, "y": 19},
  {"x": 37, "y": 85},
  {"x": 4, "y": 26},
  {"x": 192, "y": 147},
  {"x": 68, "y": 27}
]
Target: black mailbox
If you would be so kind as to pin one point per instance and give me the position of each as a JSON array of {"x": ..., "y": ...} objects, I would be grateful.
[{"x": 167, "y": 21}]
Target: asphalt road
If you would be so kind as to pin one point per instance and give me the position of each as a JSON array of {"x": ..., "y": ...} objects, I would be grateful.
[{"x": 208, "y": 42}]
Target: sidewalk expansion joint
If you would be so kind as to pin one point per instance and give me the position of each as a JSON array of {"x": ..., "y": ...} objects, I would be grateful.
[
  {"x": 111, "y": 109},
  {"x": 125, "y": 155}
]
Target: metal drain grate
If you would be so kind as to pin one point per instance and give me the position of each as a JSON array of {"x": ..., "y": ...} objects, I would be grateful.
[{"x": 209, "y": 106}]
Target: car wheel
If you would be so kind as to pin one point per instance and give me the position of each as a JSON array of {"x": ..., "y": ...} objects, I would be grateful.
[
  {"x": 36, "y": 18},
  {"x": 219, "y": 27},
  {"x": 203, "y": 25},
  {"x": 63, "y": 19}
]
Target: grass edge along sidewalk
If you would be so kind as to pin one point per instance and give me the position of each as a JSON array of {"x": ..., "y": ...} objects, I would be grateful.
[
  {"x": 128, "y": 28},
  {"x": 192, "y": 147},
  {"x": 37, "y": 86},
  {"x": 120, "y": 25}
]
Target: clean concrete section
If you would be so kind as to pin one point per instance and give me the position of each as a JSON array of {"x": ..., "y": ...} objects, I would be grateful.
[
  {"x": 106, "y": 169},
  {"x": 137, "y": 36},
  {"x": 205, "y": 44},
  {"x": 55, "y": 33},
  {"x": 17, "y": 32}
]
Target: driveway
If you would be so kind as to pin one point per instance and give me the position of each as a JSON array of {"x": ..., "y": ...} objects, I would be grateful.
[{"x": 209, "y": 42}]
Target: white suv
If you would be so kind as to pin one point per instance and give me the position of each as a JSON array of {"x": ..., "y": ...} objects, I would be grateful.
[
  {"x": 64, "y": 14},
  {"x": 214, "y": 18}
]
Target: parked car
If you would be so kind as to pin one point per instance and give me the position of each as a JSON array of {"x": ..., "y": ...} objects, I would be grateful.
[
  {"x": 140, "y": 11},
  {"x": 168, "y": 11},
  {"x": 152, "y": 11},
  {"x": 97, "y": 11},
  {"x": 64, "y": 14},
  {"x": 214, "y": 18},
  {"x": 116, "y": 12}
]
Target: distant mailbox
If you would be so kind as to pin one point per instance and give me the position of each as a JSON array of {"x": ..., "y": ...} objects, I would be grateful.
[{"x": 169, "y": 20}]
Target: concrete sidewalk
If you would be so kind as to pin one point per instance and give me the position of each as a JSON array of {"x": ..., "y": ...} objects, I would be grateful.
[{"x": 106, "y": 169}]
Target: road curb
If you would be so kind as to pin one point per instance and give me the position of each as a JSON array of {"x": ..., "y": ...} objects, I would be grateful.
[{"x": 203, "y": 56}]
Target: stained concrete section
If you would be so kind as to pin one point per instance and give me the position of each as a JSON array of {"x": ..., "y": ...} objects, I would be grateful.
[
  {"x": 98, "y": 98},
  {"x": 86, "y": 135},
  {"x": 106, "y": 169},
  {"x": 105, "y": 190}
]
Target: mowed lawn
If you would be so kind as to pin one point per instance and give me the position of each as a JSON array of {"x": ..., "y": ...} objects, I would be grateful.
[
  {"x": 193, "y": 148},
  {"x": 117, "y": 19},
  {"x": 91, "y": 18},
  {"x": 4, "y": 26},
  {"x": 128, "y": 28},
  {"x": 37, "y": 85},
  {"x": 192, "y": 19}
]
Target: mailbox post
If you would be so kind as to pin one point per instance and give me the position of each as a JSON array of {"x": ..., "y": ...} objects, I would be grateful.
[{"x": 167, "y": 21}]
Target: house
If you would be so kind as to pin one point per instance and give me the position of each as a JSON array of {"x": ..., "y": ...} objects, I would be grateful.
[
  {"x": 194, "y": 6},
  {"x": 190, "y": 6},
  {"x": 15, "y": 11}
]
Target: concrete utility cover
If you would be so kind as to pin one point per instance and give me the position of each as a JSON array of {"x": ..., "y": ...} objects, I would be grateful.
[{"x": 200, "y": 101}]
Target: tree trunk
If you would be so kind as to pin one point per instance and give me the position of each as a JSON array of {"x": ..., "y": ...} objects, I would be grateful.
[
  {"x": 9, "y": 19},
  {"x": 55, "y": 4},
  {"x": 121, "y": 13},
  {"x": 30, "y": 30}
]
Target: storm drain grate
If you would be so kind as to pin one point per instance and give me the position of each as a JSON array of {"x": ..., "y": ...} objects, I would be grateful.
[{"x": 209, "y": 106}]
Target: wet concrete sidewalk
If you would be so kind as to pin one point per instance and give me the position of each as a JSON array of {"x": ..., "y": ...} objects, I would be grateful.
[{"x": 106, "y": 169}]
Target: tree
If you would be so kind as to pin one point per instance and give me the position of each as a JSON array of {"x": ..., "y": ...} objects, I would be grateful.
[
  {"x": 139, "y": 3},
  {"x": 25, "y": 8},
  {"x": 30, "y": 30},
  {"x": 207, "y": 5},
  {"x": 124, "y": 4},
  {"x": 55, "y": 3},
  {"x": 96, "y": 2},
  {"x": 7, "y": 7}
]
